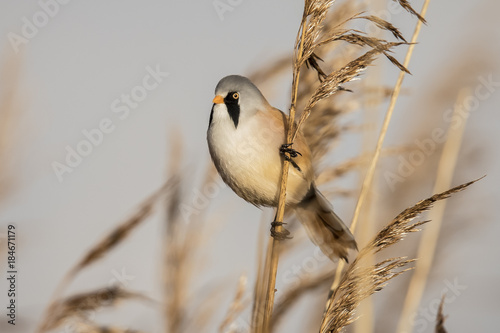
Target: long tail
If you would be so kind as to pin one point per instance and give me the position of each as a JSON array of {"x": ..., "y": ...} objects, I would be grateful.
[{"x": 324, "y": 227}]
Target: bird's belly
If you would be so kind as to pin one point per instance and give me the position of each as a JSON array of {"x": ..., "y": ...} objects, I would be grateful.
[
  {"x": 248, "y": 161},
  {"x": 251, "y": 168}
]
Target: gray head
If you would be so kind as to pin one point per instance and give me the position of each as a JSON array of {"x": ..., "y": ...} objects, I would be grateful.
[{"x": 240, "y": 96}]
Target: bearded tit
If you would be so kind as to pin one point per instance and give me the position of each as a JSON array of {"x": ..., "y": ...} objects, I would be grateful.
[{"x": 245, "y": 137}]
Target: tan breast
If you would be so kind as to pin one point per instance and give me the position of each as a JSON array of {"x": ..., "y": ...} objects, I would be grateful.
[{"x": 248, "y": 159}]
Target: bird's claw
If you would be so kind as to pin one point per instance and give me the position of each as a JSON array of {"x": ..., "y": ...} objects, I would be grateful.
[
  {"x": 287, "y": 152},
  {"x": 279, "y": 235}
]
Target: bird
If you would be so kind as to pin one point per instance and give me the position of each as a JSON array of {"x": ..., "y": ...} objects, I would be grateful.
[{"x": 247, "y": 143}]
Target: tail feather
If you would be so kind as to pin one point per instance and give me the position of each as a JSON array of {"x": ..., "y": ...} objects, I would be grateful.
[{"x": 324, "y": 227}]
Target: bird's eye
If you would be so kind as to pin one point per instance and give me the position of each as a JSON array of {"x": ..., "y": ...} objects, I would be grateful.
[{"x": 236, "y": 95}]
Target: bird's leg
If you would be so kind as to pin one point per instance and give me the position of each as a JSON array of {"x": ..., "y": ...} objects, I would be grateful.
[
  {"x": 279, "y": 235},
  {"x": 287, "y": 152}
]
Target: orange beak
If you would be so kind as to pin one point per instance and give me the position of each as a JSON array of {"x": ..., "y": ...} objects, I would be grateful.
[{"x": 218, "y": 99}]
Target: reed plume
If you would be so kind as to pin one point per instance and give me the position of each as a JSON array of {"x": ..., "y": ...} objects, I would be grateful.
[
  {"x": 310, "y": 37},
  {"x": 329, "y": 55},
  {"x": 360, "y": 281}
]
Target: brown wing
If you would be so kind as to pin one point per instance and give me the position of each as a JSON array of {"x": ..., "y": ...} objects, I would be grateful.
[
  {"x": 301, "y": 173},
  {"x": 303, "y": 160}
]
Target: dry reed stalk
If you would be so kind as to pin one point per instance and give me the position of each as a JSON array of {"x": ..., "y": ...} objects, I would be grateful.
[
  {"x": 292, "y": 295},
  {"x": 320, "y": 130},
  {"x": 361, "y": 280},
  {"x": 309, "y": 38},
  {"x": 440, "y": 318},
  {"x": 428, "y": 242},
  {"x": 259, "y": 290},
  {"x": 332, "y": 173},
  {"x": 367, "y": 183},
  {"x": 260, "y": 287},
  {"x": 397, "y": 88},
  {"x": 332, "y": 83},
  {"x": 89, "y": 327},
  {"x": 273, "y": 244},
  {"x": 173, "y": 268},
  {"x": 182, "y": 235},
  {"x": 115, "y": 237},
  {"x": 174, "y": 258},
  {"x": 237, "y": 305},
  {"x": 365, "y": 323},
  {"x": 81, "y": 305},
  {"x": 203, "y": 308},
  {"x": 8, "y": 132},
  {"x": 265, "y": 73},
  {"x": 120, "y": 233},
  {"x": 271, "y": 270}
]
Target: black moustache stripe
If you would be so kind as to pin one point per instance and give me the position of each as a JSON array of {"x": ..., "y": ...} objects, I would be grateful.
[
  {"x": 234, "y": 112},
  {"x": 233, "y": 109},
  {"x": 211, "y": 115}
]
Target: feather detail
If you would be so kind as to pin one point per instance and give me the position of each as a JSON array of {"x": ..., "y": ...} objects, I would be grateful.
[{"x": 324, "y": 227}]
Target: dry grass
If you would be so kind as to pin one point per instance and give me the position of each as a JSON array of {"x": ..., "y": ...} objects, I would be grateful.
[
  {"x": 428, "y": 242},
  {"x": 10, "y": 112},
  {"x": 301, "y": 289},
  {"x": 319, "y": 73},
  {"x": 180, "y": 238},
  {"x": 310, "y": 37},
  {"x": 367, "y": 182},
  {"x": 76, "y": 309},
  {"x": 237, "y": 305},
  {"x": 56, "y": 309},
  {"x": 440, "y": 318},
  {"x": 360, "y": 280}
]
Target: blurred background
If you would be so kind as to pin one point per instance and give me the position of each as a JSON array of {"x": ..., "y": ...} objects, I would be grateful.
[{"x": 99, "y": 99}]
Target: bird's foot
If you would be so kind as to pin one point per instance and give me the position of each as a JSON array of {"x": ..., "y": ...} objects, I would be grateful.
[
  {"x": 287, "y": 152},
  {"x": 279, "y": 235}
]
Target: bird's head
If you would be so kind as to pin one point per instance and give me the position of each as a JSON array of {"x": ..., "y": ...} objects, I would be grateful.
[{"x": 237, "y": 98}]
